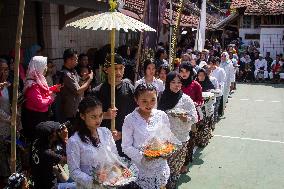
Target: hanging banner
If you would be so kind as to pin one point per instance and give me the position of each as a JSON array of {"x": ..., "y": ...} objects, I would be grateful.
[{"x": 200, "y": 35}]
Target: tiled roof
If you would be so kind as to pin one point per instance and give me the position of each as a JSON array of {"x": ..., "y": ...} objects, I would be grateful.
[
  {"x": 189, "y": 20},
  {"x": 265, "y": 7},
  {"x": 190, "y": 16},
  {"x": 239, "y": 3},
  {"x": 186, "y": 20},
  {"x": 260, "y": 7},
  {"x": 135, "y": 6}
]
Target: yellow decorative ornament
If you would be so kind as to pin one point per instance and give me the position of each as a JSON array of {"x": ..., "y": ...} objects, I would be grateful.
[{"x": 113, "y": 5}]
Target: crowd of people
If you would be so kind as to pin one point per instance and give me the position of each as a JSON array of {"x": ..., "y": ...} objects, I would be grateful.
[{"x": 65, "y": 116}]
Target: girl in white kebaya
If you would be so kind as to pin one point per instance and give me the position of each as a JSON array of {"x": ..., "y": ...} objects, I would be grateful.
[
  {"x": 137, "y": 127},
  {"x": 84, "y": 147}
]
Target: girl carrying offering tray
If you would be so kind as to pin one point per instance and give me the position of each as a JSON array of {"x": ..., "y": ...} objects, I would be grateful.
[
  {"x": 148, "y": 140},
  {"x": 92, "y": 156}
]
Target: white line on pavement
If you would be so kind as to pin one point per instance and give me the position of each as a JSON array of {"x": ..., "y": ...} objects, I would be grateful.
[
  {"x": 252, "y": 139},
  {"x": 259, "y": 100}
]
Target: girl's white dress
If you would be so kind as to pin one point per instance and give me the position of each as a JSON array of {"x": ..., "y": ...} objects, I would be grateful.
[
  {"x": 81, "y": 157},
  {"x": 135, "y": 131},
  {"x": 179, "y": 128}
]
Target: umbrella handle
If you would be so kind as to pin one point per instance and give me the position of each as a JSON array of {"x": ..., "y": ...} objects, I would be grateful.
[{"x": 112, "y": 43}]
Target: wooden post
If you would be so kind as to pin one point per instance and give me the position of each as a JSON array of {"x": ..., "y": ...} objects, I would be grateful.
[
  {"x": 176, "y": 31},
  {"x": 140, "y": 42},
  {"x": 16, "y": 85},
  {"x": 171, "y": 33},
  {"x": 112, "y": 43}
]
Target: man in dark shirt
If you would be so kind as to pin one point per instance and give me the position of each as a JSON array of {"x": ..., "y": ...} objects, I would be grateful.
[
  {"x": 124, "y": 95},
  {"x": 73, "y": 89}
]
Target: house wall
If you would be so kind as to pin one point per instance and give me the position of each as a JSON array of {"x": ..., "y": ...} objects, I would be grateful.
[
  {"x": 58, "y": 40},
  {"x": 8, "y": 25},
  {"x": 270, "y": 37},
  {"x": 244, "y": 31},
  {"x": 271, "y": 40}
]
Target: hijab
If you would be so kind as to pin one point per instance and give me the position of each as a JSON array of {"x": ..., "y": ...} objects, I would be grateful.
[
  {"x": 206, "y": 84},
  {"x": 227, "y": 57},
  {"x": 35, "y": 71},
  {"x": 187, "y": 66},
  {"x": 168, "y": 98}
]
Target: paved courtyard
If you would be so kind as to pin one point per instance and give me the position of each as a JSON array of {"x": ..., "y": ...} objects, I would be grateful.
[{"x": 247, "y": 151}]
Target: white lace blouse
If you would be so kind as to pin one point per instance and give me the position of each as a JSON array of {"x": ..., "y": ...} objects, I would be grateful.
[
  {"x": 81, "y": 157},
  {"x": 156, "y": 82},
  {"x": 178, "y": 127},
  {"x": 135, "y": 131}
]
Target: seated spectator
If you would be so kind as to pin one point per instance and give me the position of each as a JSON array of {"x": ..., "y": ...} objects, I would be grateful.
[
  {"x": 245, "y": 68},
  {"x": 276, "y": 69},
  {"x": 260, "y": 68},
  {"x": 48, "y": 154}
]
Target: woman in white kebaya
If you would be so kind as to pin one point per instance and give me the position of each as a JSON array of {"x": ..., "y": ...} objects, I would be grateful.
[{"x": 182, "y": 115}]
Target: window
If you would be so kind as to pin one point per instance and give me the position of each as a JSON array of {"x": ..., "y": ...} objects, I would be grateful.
[
  {"x": 257, "y": 21},
  {"x": 274, "y": 20},
  {"x": 252, "y": 36},
  {"x": 246, "y": 21}
]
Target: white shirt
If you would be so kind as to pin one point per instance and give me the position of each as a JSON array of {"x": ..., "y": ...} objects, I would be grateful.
[
  {"x": 135, "y": 132},
  {"x": 230, "y": 72},
  {"x": 220, "y": 75},
  {"x": 81, "y": 157},
  {"x": 178, "y": 127},
  {"x": 214, "y": 82},
  {"x": 260, "y": 63},
  {"x": 156, "y": 82}
]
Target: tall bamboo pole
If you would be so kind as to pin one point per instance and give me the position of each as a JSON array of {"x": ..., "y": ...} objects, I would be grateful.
[
  {"x": 176, "y": 31},
  {"x": 16, "y": 84},
  {"x": 140, "y": 41},
  {"x": 112, "y": 43},
  {"x": 171, "y": 32}
]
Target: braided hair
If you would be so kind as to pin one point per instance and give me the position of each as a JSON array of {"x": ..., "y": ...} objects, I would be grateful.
[
  {"x": 86, "y": 105},
  {"x": 143, "y": 87}
]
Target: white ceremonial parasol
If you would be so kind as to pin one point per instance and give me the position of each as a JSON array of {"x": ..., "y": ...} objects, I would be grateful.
[{"x": 112, "y": 21}]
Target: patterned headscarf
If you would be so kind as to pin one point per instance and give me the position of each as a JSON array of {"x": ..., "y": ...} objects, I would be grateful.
[{"x": 36, "y": 68}]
